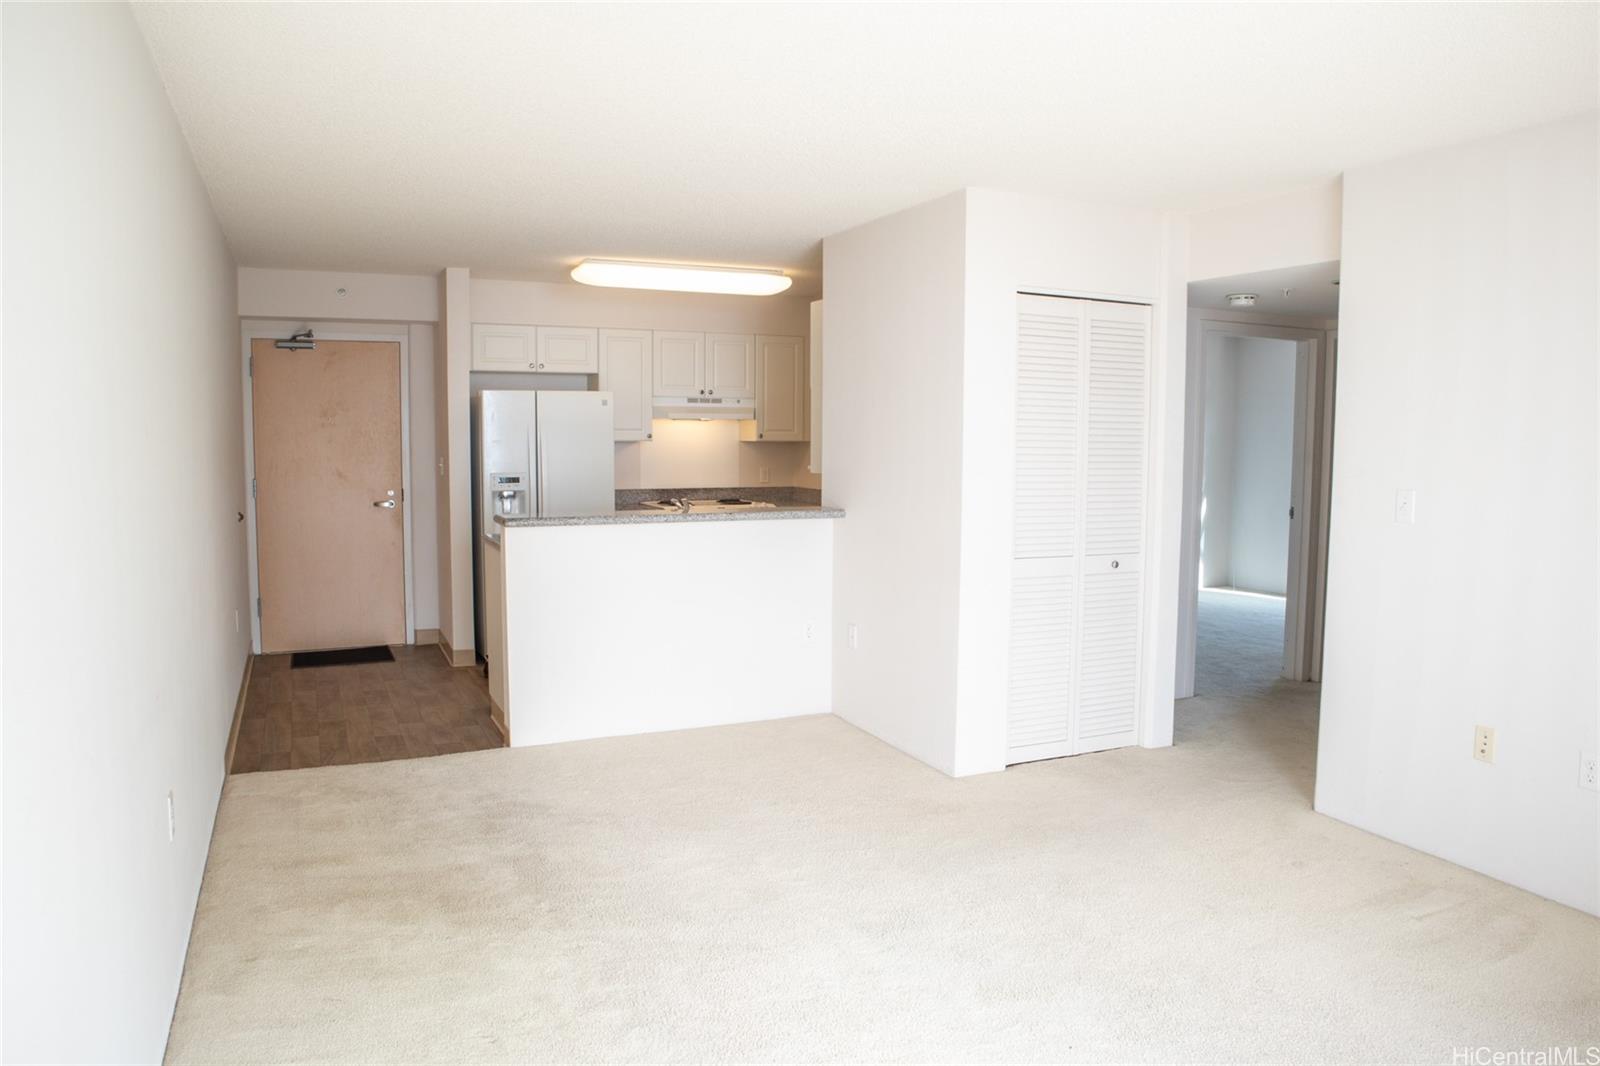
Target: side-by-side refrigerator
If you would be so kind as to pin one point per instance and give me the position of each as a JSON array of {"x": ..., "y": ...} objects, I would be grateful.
[{"x": 543, "y": 454}]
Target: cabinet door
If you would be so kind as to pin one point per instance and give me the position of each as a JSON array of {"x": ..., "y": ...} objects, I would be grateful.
[
  {"x": 504, "y": 348},
  {"x": 565, "y": 350},
  {"x": 731, "y": 366},
  {"x": 680, "y": 364},
  {"x": 1107, "y": 707},
  {"x": 781, "y": 388},
  {"x": 625, "y": 373}
]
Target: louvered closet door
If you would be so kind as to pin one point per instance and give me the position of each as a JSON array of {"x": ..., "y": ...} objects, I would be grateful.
[
  {"x": 1076, "y": 604},
  {"x": 1113, "y": 527},
  {"x": 1050, "y": 338}
]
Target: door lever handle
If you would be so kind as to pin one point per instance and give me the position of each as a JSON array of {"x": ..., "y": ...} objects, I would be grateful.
[{"x": 386, "y": 504}]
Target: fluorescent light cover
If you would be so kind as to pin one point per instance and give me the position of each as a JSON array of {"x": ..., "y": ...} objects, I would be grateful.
[{"x": 679, "y": 277}]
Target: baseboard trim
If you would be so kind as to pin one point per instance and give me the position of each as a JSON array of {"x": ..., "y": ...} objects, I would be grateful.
[
  {"x": 425, "y": 637},
  {"x": 238, "y": 715},
  {"x": 497, "y": 715},
  {"x": 456, "y": 656}
]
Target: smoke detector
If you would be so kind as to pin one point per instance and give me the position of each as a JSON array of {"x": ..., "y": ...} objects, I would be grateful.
[{"x": 1241, "y": 299}]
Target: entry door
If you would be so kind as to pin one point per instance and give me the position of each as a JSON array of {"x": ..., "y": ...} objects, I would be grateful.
[{"x": 330, "y": 521}]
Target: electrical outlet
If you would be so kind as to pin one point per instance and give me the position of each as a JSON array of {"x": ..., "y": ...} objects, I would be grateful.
[
  {"x": 766, "y": 475},
  {"x": 172, "y": 820},
  {"x": 1483, "y": 744},
  {"x": 441, "y": 466},
  {"x": 1405, "y": 507},
  {"x": 811, "y": 632},
  {"x": 1588, "y": 773},
  {"x": 852, "y": 636},
  {"x": 236, "y": 619}
]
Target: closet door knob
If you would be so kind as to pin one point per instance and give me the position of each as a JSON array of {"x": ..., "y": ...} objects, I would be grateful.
[{"x": 1114, "y": 564}]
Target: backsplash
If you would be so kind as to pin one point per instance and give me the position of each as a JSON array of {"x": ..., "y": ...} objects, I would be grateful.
[{"x": 783, "y": 495}]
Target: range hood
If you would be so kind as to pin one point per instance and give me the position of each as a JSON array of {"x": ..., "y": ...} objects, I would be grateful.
[{"x": 703, "y": 407}]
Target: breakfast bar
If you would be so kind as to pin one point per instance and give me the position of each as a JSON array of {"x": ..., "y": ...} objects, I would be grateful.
[{"x": 656, "y": 618}]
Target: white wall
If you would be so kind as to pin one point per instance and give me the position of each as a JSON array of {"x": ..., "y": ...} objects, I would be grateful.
[
  {"x": 1294, "y": 228},
  {"x": 1216, "y": 495},
  {"x": 452, "y": 359},
  {"x": 1249, "y": 429},
  {"x": 321, "y": 294},
  {"x": 124, "y": 562},
  {"x": 892, "y": 396},
  {"x": 1467, "y": 371},
  {"x": 919, "y": 397},
  {"x": 682, "y": 454}
]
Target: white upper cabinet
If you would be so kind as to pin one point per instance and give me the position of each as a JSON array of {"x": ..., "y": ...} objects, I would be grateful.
[
  {"x": 504, "y": 348},
  {"x": 568, "y": 350},
  {"x": 680, "y": 364},
  {"x": 731, "y": 366},
  {"x": 781, "y": 381},
  {"x": 625, "y": 361}
]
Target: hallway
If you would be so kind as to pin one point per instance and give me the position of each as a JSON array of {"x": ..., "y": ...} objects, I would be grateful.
[{"x": 1239, "y": 650}]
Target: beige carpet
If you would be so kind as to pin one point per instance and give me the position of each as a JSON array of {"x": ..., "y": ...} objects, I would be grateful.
[
  {"x": 797, "y": 891},
  {"x": 1239, "y": 645}
]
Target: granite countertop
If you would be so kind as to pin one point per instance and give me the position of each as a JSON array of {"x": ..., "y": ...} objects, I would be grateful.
[
  {"x": 645, "y": 515},
  {"x": 790, "y": 503}
]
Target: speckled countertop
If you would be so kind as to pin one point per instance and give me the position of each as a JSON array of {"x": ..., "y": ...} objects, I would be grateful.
[
  {"x": 791, "y": 503},
  {"x": 642, "y": 516}
]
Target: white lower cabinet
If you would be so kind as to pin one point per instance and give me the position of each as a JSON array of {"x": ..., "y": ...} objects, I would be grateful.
[
  {"x": 625, "y": 372},
  {"x": 781, "y": 381},
  {"x": 1077, "y": 593}
]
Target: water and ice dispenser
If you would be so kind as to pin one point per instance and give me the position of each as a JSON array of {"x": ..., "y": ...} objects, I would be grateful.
[{"x": 508, "y": 496}]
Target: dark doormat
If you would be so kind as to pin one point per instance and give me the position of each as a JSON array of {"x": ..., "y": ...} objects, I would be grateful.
[{"x": 378, "y": 653}]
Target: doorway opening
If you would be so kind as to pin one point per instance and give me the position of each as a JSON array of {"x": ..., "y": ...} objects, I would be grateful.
[{"x": 1256, "y": 478}]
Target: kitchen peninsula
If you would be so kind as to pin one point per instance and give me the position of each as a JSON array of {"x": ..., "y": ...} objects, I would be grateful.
[{"x": 652, "y": 619}]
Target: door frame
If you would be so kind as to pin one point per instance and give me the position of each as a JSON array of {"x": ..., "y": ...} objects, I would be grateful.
[
  {"x": 263, "y": 329},
  {"x": 1312, "y": 430}
]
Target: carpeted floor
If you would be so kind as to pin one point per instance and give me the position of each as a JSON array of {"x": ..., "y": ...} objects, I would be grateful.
[
  {"x": 1239, "y": 644},
  {"x": 798, "y": 891}
]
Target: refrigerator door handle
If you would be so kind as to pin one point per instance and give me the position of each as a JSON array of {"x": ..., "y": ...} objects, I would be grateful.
[{"x": 538, "y": 451}]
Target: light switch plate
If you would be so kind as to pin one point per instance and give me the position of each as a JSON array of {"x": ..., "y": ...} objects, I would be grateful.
[{"x": 1405, "y": 507}]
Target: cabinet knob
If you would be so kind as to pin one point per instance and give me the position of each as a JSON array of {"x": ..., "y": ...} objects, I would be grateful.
[
  {"x": 1115, "y": 564},
  {"x": 533, "y": 366},
  {"x": 541, "y": 366},
  {"x": 711, "y": 392},
  {"x": 702, "y": 392}
]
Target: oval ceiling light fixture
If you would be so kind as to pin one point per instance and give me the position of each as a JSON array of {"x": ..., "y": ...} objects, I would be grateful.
[
  {"x": 680, "y": 277},
  {"x": 1241, "y": 299}
]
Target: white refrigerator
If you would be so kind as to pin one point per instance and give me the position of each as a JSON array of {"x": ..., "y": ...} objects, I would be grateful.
[{"x": 538, "y": 454}]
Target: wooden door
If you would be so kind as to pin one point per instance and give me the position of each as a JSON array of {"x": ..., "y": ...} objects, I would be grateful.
[
  {"x": 781, "y": 388},
  {"x": 625, "y": 374},
  {"x": 679, "y": 364},
  {"x": 330, "y": 521},
  {"x": 731, "y": 366}
]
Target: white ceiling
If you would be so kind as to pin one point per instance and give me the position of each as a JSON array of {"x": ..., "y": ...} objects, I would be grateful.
[
  {"x": 1311, "y": 291},
  {"x": 515, "y": 139}
]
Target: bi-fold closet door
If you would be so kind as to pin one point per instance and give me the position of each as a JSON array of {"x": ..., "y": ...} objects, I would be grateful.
[{"x": 1076, "y": 592}]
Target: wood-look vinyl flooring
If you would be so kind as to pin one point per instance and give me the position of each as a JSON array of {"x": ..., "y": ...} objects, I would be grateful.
[{"x": 416, "y": 706}]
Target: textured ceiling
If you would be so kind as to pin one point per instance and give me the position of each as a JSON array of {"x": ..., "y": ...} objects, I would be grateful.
[{"x": 515, "y": 139}]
